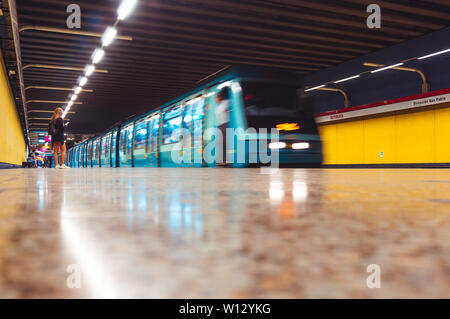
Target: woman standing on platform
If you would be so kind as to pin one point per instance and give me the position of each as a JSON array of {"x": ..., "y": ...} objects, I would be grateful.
[{"x": 56, "y": 130}]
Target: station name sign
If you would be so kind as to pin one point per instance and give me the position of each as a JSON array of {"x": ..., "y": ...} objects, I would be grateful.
[{"x": 383, "y": 108}]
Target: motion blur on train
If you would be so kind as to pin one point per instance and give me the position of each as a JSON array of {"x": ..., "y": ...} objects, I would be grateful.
[{"x": 262, "y": 106}]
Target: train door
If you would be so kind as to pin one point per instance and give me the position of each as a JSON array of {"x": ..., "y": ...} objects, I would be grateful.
[
  {"x": 186, "y": 135},
  {"x": 154, "y": 141},
  {"x": 95, "y": 149},
  {"x": 89, "y": 154},
  {"x": 140, "y": 149},
  {"x": 197, "y": 131},
  {"x": 74, "y": 156},
  {"x": 84, "y": 155},
  {"x": 107, "y": 152},
  {"x": 113, "y": 148},
  {"x": 231, "y": 92},
  {"x": 126, "y": 146},
  {"x": 171, "y": 146},
  {"x": 99, "y": 150},
  {"x": 80, "y": 156},
  {"x": 104, "y": 154},
  {"x": 81, "y": 161}
]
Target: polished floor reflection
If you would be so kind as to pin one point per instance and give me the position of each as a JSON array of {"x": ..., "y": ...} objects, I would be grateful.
[{"x": 224, "y": 233}]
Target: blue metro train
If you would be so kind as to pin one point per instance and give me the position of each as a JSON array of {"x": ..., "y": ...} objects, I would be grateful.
[{"x": 258, "y": 98}]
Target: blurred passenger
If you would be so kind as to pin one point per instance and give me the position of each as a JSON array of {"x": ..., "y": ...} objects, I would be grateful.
[
  {"x": 222, "y": 112},
  {"x": 56, "y": 130},
  {"x": 32, "y": 160}
]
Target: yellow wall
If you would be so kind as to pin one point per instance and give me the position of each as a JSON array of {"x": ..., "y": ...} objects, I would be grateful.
[
  {"x": 12, "y": 143},
  {"x": 420, "y": 137}
]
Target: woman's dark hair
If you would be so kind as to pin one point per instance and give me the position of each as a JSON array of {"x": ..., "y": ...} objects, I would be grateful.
[{"x": 224, "y": 94}]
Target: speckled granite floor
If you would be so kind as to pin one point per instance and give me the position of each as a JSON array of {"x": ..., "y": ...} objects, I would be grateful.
[{"x": 213, "y": 233}]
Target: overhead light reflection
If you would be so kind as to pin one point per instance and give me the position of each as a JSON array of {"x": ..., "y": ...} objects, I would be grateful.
[
  {"x": 299, "y": 190},
  {"x": 276, "y": 190}
]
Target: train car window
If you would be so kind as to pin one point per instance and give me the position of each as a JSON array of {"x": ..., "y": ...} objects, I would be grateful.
[
  {"x": 108, "y": 146},
  {"x": 94, "y": 151},
  {"x": 270, "y": 104},
  {"x": 199, "y": 109},
  {"x": 187, "y": 116},
  {"x": 140, "y": 136},
  {"x": 97, "y": 144},
  {"x": 113, "y": 145},
  {"x": 123, "y": 138},
  {"x": 155, "y": 131},
  {"x": 148, "y": 144},
  {"x": 172, "y": 125}
]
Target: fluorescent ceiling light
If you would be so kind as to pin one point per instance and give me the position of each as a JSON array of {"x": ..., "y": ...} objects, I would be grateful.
[
  {"x": 433, "y": 54},
  {"x": 347, "y": 79},
  {"x": 70, "y": 104},
  {"x": 83, "y": 81},
  {"x": 386, "y": 68},
  {"x": 89, "y": 69},
  {"x": 78, "y": 90},
  {"x": 73, "y": 97},
  {"x": 315, "y": 88},
  {"x": 108, "y": 36},
  {"x": 97, "y": 56},
  {"x": 125, "y": 8}
]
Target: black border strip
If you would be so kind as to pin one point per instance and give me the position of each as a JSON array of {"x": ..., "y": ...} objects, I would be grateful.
[
  {"x": 412, "y": 165},
  {"x": 6, "y": 165}
]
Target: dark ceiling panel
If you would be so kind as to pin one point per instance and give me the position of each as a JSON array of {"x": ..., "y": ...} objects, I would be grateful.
[{"x": 178, "y": 42}]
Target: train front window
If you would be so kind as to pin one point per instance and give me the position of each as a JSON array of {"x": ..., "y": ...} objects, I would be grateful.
[{"x": 268, "y": 105}]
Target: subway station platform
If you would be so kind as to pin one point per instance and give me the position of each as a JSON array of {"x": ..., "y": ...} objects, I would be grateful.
[{"x": 224, "y": 233}]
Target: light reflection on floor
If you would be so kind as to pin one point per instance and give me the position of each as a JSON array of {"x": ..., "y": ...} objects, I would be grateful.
[{"x": 212, "y": 233}]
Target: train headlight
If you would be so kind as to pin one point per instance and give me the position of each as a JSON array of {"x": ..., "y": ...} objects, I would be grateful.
[
  {"x": 277, "y": 145},
  {"x": 300, "y": 146}
]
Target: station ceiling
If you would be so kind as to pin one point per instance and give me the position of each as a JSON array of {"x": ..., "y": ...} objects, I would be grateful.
[{"x": 176, "y": 43}]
